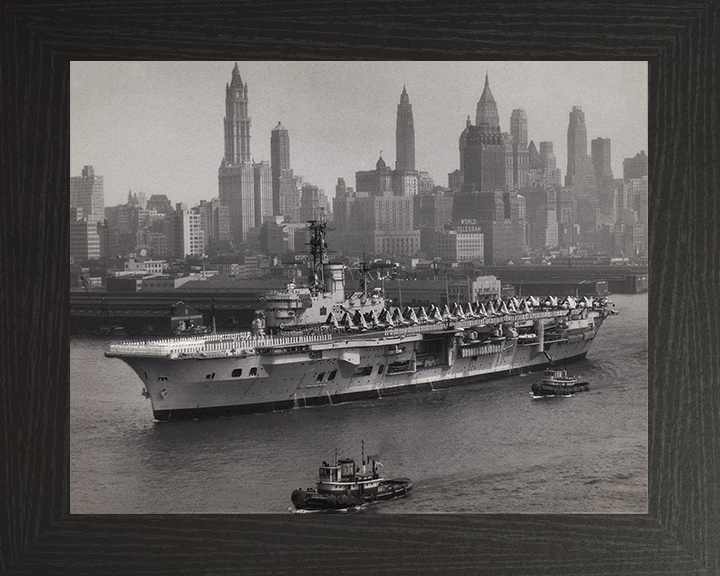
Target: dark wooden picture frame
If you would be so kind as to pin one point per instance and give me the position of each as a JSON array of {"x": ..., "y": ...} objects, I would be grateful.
[{"x": 680, "y": 535}]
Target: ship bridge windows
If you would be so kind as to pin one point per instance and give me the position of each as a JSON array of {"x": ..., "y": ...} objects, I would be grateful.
[
  {"x": 237, "y": 373},
  {"x": 253, "y": 371},
  {"x": 381, "y": 369},
  {"x": 332, "y": 375},
  {"x": 363, "y": 371},
  {"x": 320, "y": 376}
]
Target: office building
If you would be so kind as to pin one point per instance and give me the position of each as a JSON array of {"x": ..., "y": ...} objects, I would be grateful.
[
  {"x": 85, "y": 242},
  {"x": 311, "y": 205},
  {"x": 405, "y": 135},
  {"x": 484, "y": 159},
  {"x": 376, "y": 182},
  {"x": 461, "y": 242},
  {"x": 87, "y": 192},
  {"x": 262, "y": 176},
  {"x": 580, "y": 174},
  {"x": 602, "y": 161},
  {"x": 236, "y": 176},
  {"x": 186, "y": 236},
  {"x": 636, "y": 167},
  {"x": 519, "y": 150},
  {"x": 498, "y": 214},
  {"x": 279, "y": 161}
]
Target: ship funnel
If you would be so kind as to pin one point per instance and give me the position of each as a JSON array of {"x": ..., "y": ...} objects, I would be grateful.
[{"x": 334, "y": 278}]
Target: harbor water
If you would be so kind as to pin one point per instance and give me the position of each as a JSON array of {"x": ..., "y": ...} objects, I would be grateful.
[{"x": 482, "y": 448}]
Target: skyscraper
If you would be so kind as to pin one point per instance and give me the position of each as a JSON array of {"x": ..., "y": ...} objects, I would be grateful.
[
  {"x": 547, "y": 157},
  {"x": 520, "y": 155},
  {"x": 600, "y": 151},
  {"x": 405, "y": 135},
  {"x": 482, "y": 157},
  {"x": 290, "y": 195},
  {"x": 483, "y": 149},
  {"x": 187, "y": 238},
  {"x": 534, "y": 156},
  {"x": 604, "y": 180},
  {"x": 636, "y": 167},
  {"x": 279, "y": 161},
  {"x": 88, "y": 192},
  {"x": 499, "y": 215},
  {"x": 310, "y": 202},
  {"x": 581, "y": 173},
  {"x": 263, "y": 192},
  {"x": 237, "y": 121},
  {"x": 549, "y": 164},
  {"x": 236, "y": 174},
  {"x": 378, "y": 182},
  {"x": 577, "y": 144},
  {"x": 340, "y": 189},
  {"x": 487, "y": 112},
  {"x": 84, "y": 237},
  {"x": 518, "y": 127}
]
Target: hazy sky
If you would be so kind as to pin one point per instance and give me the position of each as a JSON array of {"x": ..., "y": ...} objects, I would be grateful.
[{"x": 157, "y": 127}]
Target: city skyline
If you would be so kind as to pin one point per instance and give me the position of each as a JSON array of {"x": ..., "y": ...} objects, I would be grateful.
[{"x": 157, "y": 127}]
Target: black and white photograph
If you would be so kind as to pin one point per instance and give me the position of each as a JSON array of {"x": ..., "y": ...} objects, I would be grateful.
[{"x": 359, "y": 287}]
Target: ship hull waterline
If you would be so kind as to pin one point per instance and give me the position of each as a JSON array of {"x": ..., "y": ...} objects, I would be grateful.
[
  {"x": 313, "y": 500},
  {"x": 194, "y": 388}
]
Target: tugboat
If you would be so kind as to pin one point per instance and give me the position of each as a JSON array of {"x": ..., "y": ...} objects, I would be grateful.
[
  {"x": 344, "y": 484},
  {"x": 558, "y": 383}
]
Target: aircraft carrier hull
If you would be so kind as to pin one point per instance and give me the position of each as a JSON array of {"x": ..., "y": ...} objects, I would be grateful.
[{"x": 306, "y": 371}]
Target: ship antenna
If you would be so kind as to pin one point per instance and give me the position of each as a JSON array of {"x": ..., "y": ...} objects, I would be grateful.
[
  {"x": 363, "y": 274},
  {"x": 318, "y": 249},
  {"x": 214, "y": 326},
  {"x": 363, "y": 452},
  {"x": 335, "y": 455}
]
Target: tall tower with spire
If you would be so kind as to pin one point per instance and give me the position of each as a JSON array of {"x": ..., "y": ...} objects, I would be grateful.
[
  {"x": 483, "y": 150},
  {"x": 487, "y": 112},
  {"x": 405, "y": 134},
  {"x": 487, "y": 195},
  {"x": 236, "y": 175},
  {"x": 237, "y": 121}
]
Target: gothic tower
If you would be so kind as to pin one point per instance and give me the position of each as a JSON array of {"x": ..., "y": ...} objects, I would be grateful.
[
  {"x": 237, "y": 121},
  {"x": 487, "y": 112},
  {"x": 236, "y": 178},
  {"x": 405, "y": 135}
]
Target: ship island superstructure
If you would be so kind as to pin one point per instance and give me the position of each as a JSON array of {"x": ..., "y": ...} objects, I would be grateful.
[{"x": 313, "y": 345}]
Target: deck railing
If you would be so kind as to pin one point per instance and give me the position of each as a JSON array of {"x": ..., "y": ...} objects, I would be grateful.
[
  {"x": 211, "y": 345},
  {"x": 237, "y": 342}
]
